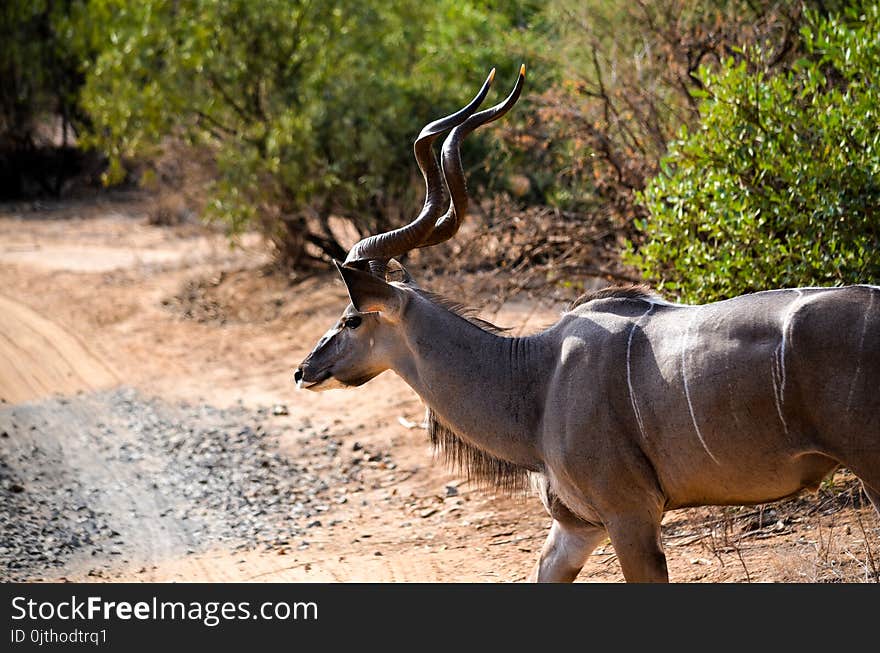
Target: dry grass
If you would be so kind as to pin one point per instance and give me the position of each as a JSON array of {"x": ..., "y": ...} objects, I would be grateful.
[{"x": 831, "y": 536}]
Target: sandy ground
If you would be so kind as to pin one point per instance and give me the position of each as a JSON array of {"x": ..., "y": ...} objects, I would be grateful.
[{"x": 103, "y": 317}]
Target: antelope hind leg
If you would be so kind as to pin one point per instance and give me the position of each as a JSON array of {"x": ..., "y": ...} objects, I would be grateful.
[
  {"x": 868, "y": 471},
  {"x": 565, "y": 551},
  {"x": 873, "y": 495}
]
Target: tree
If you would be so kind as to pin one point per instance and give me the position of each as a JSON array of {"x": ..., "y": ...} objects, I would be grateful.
[
  {"x": 306, "y": 109},
  {"x": 779, "y": 185},
  {"x": 627, "y": 71},
  {"x": 40, "y": 76}
]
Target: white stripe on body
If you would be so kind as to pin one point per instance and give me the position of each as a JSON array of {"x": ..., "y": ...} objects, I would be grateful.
[
  {"x": 852, "y": 385},
  {"x": 777, "y": 367},
  {"x": 687, "y": 392},
  {"x": 632, "y": 396}
]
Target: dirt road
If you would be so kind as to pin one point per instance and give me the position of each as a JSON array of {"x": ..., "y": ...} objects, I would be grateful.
[
  {"x": 42, "y": 358},
  {"x": 150, "y": 431}
]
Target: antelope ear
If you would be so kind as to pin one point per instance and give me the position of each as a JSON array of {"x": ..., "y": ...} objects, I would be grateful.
[
  {"x": 396, "y": 272},
  {"x": 368, "y": 293}
]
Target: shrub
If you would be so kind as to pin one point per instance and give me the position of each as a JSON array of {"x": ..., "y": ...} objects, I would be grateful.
[{"x": 779, "y": 184}]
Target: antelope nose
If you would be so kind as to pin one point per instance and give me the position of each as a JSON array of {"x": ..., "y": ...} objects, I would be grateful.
[{"x": 298, "y": 376}]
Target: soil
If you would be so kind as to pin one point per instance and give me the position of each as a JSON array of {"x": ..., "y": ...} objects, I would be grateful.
[{"x": 150, "y": 431}]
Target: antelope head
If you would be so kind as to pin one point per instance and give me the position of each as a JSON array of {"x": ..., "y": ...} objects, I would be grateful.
[{"x": 365, "y": 340}]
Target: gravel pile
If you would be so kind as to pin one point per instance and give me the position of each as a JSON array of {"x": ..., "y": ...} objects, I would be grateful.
[
  {"x": 224, "y": 467},
  {"x": 45, "y": 516},
  {"x": 94, "y": 476}
]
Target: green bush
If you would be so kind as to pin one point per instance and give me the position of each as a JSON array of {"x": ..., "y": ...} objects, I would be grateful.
[
  {"x": 305, "y": 109},
  {"x": 779, "y": 185}
]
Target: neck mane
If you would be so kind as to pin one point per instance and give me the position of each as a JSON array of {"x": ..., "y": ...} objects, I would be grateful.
[{"x": 477, "y": 465}]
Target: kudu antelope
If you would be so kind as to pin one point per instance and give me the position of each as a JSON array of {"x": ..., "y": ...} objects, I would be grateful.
[{"x": 629, "y": 405}]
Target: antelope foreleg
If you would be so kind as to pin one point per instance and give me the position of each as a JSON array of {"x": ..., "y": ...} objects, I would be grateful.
[
  {"x": 565, "y": 551},
  {"x": 636, "y": 541}
]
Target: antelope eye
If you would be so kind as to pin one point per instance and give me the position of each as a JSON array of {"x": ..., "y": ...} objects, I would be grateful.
[{"x": 352, "y": 322}]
